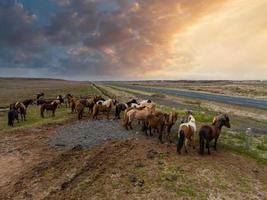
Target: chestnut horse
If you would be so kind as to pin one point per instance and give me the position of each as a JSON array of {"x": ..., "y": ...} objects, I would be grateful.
[
  {"x": 210, "y": 132},
  {"x": 156, "y": 121},
  {"x": 186, "y": 134},
  {"x": 103, "y": 106}
]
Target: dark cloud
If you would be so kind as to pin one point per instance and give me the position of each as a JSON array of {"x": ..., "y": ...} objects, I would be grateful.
[{"x": 103, "y": 38}]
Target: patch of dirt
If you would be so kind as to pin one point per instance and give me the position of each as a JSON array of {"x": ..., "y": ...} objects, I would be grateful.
[
  {"x": 101, "y": 160},
  {"x": 126, "y": 170}
]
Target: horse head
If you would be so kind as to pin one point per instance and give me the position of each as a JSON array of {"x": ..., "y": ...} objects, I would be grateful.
[{"x": 222, "y": 120}]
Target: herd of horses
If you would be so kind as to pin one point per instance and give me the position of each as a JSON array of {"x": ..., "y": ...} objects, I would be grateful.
[{"x": 144, "y": 112}]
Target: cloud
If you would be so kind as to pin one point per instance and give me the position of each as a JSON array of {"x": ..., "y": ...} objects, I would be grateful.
[{"x": 104, "y": 38}]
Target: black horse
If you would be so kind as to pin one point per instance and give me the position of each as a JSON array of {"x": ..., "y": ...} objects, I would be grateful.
[
  {"x": 27, "y": 102},
  {"x": 123, "y": 106},
  {"x": 43, "y": 101},
  {"x": 12, "y": 115},
  {"x": 39, "y": 95}
]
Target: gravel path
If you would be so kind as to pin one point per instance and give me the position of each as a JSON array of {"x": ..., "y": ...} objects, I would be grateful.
[{"x": 91, "y": 133}]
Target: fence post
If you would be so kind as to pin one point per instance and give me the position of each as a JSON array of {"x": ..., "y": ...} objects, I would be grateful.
[{"x": 248, "y": 139}]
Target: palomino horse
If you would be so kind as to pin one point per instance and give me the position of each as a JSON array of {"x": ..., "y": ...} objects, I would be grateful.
[
  {"x": 139, "y": 114},
  {"x": 103, "y": 106},
  {"x": 21, "y": 108},
  {"x": 123, "y": 106},
  {"x": 48, "y": 106},
  {"x": 187, "y": 134},
  {"x": 210, "y": 132}
]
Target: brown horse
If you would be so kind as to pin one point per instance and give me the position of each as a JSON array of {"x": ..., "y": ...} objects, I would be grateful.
[
  {"x": 73, "y": 102},
  {"x": 92, "y": 101},
  {"x": 173, "y": 116},
  {"x": 79, "y": 106},
  {"x": 48, "y": 106},
  {"x": 186, "y": 134},
  {"x": 21, "y": 108},
  {"x": 210, "y": 132},
  {"x": 139, "y": 114},
  {"x": 156, "y": 121},
  {"x": 103, "y": 106}
]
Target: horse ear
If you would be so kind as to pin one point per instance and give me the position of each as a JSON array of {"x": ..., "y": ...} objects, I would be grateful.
[{"x": 214, "y": 120}]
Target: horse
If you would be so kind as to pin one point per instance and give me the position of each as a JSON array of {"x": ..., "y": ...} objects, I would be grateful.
[
  {"x": 60, "y": 100},
  {"x": 137, "y": 113},
  {"x": 103, "y": 106},
  {"x": 43, "y": 101},
  {"x": 156, "y": 121},
  {"x": 173, "y": 116},
  {"x": 68, "y": 97},
  {"x": 92, "y": 102},
  {"x": 210, "y": 132},
  {"x": 73, "y": 101},
  {"x": 27, "y": 102},
  {"x": 39, "y": 95},
  {"x": 79, "y": 106},
  {"x": 123, "y": 106},
  {"x": 186, "y": 134},
  {"x": 21, "y": 109},
  {"x": 48, "y": 106},
  {"x": 12, "y": 115}
]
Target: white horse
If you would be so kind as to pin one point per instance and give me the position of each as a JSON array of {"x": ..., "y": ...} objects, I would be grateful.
[{"x": 186, "y": 134}]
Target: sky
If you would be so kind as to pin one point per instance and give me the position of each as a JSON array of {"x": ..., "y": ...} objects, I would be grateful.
[{"x": 134, "y": 39}]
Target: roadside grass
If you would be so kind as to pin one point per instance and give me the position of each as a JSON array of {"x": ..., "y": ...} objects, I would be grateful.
[
  {"x": 33, "y": 112},
  {"x": 234, "y": 141}
]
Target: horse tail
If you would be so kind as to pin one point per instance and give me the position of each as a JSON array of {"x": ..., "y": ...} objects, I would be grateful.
[
  {"x": 117, "y": 111},
  {"x": 180, "y": 141},
  {"x": 125, "y": 120},
  {"x": 95, "y": 111},
  {"x": 201, "y": 141}
]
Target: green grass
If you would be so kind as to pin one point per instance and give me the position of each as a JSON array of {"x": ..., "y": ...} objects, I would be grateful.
[
  {"x": 33, "y": 112},
  {"x": 236, "y": 143}
]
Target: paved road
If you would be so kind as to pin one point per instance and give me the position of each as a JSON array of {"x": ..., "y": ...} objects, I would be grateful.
[{"x": 262, "y": 104}]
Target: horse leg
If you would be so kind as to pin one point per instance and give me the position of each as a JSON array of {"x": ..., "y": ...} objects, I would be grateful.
[
  {"x": 208, "y": 146},
  {"x": 150, "y": 131},
  {"x": 185, "y": 145},
  {"x": 215, "y": 143},
  {"x": 130, "y": 125},
  {"x": 107, "y": 115}
]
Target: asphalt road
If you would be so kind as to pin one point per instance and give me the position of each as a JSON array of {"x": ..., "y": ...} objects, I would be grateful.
[{"x": 242, "y": 101}]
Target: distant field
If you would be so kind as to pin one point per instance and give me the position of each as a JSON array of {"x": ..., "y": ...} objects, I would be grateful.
[
  {"x": 14, "y": 89},
  {"x": 17, "y": 89},
  {"x": 252, "y": 89}
]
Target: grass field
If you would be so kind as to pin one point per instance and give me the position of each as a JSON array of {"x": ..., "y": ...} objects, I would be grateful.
[
  {"x": 135, "y": 168},
  {"x": 234, "y": 141},
  {"x": 13, "y": 90}
]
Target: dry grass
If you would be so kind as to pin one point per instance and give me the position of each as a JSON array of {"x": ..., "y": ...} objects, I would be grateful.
[{"x": 14, "y": 89}]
